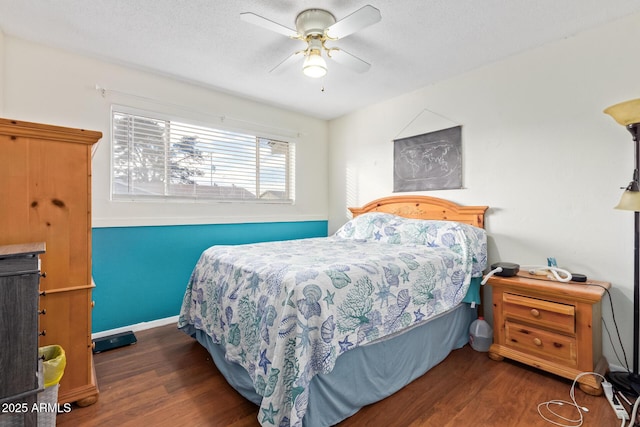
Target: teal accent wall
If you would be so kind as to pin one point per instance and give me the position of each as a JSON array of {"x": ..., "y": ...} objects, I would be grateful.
[{"x": 141, "y": 272}]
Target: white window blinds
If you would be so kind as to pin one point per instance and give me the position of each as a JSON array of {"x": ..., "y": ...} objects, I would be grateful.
[{"x": 165, "y": 158}]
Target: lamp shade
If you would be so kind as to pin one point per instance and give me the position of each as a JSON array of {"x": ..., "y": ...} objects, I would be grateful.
[
  {"x": 314, "y": 65},
  {"x": 625, "y": 113},
  {"x": 630, "y": 201}
]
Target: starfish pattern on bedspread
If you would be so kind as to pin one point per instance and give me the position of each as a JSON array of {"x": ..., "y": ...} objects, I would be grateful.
[{"x": 286, "y": 310}]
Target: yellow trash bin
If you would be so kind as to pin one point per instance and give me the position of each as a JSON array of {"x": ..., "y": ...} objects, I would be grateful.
[{"x": 53, "y": 364}]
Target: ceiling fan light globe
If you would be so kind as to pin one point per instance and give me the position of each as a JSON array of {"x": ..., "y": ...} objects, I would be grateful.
[{"x": 314, "y": 66}]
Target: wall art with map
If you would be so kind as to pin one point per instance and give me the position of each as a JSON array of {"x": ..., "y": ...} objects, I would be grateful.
[{"x": 431, "y": 161}]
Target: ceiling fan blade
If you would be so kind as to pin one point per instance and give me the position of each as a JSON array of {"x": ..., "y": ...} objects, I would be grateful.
[
  {"x": 361, "y": 18},
  {"x": 348, "y": 60},
  {"x": 288, "y": 60},
  {"x": 258, "y": 20}
]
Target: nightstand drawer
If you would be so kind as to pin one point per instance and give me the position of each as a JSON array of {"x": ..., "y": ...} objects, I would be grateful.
[
  {"x": 552, "y": 315},
  {"x": 544, "y": 344}
]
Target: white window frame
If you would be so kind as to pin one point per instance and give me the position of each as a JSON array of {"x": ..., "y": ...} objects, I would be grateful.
[{"x": 282, "y": 192}]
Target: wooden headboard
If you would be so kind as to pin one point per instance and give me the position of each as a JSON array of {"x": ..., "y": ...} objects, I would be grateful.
[{"x": 425, "y": 207}]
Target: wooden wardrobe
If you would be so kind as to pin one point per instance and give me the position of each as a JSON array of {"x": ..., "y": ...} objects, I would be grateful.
[{"x": 45, "y": 196}]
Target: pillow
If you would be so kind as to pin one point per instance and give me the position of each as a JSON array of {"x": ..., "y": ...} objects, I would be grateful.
[
  {"x": 458, "y": 237},
  {"x": 371, "y": 226},
  {"x": 389, "y": 228}
]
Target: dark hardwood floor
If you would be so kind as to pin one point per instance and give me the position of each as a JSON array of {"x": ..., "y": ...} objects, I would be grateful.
[{"x": 168, "y": 379}]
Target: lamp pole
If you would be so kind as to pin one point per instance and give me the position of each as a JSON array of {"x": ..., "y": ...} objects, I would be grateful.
[
  {"x": 628, "y": 114},
  {"x": 635, "y": 375},
  {"x": 630, "y": 381}
]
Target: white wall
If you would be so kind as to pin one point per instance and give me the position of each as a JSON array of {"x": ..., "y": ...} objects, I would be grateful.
[
  {"x": 537, "y": 149},
  {"x": 47, "y": 85}
]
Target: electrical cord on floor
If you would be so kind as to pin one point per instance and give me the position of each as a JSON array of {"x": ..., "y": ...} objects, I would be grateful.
[
  {"x": 634, "y": 414},
  {"x": 624, "y": 362},
  {"x": 579, "y": 421},
  {"x": 575, "y": 422},
  {"x": 560, "y": 420}
]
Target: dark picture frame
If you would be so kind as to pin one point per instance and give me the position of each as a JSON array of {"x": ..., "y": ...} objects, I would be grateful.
[{"x": 431, "y": 161}]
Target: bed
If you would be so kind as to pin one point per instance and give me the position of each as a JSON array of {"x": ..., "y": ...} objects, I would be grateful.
[{"x": 311, "y": 330}]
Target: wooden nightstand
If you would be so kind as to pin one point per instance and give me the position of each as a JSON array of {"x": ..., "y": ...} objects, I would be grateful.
[{"x": 550, "y": 325}]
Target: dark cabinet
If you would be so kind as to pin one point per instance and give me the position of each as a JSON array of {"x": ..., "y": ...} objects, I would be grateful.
[{"x": 19, "y": 290}]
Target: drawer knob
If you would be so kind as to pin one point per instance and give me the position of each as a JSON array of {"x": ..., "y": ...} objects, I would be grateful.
[
  {"x": 537, "y": 341},
  {"x": 535, "y": 313}
]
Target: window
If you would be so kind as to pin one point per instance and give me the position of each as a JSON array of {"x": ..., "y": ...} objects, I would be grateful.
[{"x": 155, "y": 157}]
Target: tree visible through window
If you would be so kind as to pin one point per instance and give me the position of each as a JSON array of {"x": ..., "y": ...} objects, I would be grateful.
[{"x": 155, "y": 157}]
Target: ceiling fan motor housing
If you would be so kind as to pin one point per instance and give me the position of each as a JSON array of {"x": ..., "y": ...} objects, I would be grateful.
[{"x": 314, "y": 22}]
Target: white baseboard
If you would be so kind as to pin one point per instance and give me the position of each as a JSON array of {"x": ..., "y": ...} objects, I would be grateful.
[{"x": 137, "y": 327}]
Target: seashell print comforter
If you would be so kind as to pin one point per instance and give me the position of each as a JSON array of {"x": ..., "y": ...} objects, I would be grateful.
[{"x": 286, "y": 310}]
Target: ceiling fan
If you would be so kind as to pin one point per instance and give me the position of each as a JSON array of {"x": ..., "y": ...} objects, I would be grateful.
[{"x": 316, "y": 27}]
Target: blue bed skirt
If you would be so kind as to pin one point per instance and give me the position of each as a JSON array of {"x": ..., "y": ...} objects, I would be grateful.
[{"x": 365, "y": 374}]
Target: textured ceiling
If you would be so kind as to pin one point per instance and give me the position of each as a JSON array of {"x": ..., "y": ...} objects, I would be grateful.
[{"x": 417, "y": 42}]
